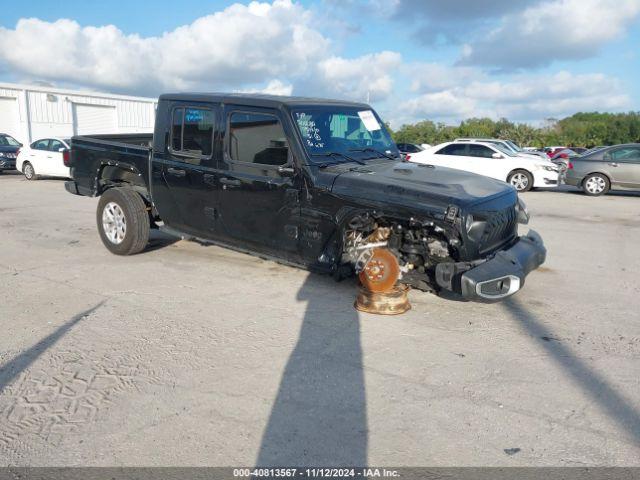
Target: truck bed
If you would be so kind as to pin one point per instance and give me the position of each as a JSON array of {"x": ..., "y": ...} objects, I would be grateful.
[{"x": 101, "y": 160}]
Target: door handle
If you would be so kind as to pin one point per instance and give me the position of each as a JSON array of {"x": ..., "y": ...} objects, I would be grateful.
[
  {"x": 230, "y": 181},
  {"x": 614, "y": 164},
  {"x": 176, "y": 172}
]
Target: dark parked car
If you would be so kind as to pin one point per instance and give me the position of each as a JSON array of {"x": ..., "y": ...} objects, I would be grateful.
[
  {"x": 9, "y": 148},
  {"x": 409, "y": 148},
  {"x": 607, "y": 168},
  {"x": 315, "y": 183}
]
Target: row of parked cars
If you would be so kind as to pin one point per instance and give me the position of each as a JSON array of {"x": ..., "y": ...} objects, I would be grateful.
[
  {"x": 45, "y": 157},
  {"x": 595, "y": 171}
]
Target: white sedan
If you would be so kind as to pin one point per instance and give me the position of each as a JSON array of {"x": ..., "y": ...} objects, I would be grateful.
[
  {"x": 522, "y": 171},
  {"x": 48, "y": 157}
]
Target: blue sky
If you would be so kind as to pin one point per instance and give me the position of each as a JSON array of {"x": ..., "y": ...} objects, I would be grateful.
[{"x": 414, "y": 59}]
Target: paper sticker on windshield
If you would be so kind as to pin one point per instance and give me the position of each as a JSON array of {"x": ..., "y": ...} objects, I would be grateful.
[{"x": 369, "y": 120}]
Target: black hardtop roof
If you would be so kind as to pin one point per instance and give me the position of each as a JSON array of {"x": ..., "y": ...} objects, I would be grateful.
[{"x": 257, "y": 99}]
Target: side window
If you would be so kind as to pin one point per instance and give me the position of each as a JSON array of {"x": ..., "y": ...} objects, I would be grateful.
[
  {"x": 192, "y": 133},
  {"x": 41, "y": 144},
  {"x": 480, "y": 151},
  {"x": 627, "y": 154},
  {"x": 55, "y": 145},
  {"x": 453, "y": 149},
  {"x": 257, "y": 138}
]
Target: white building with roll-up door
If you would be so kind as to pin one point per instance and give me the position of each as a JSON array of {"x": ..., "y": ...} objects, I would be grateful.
[{"x": 30, "y": 112}]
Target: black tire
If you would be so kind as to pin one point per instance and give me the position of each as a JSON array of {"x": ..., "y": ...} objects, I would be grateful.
[
  {"x": 29, "y": 172},
  {"x": 596, "y": 184},
  {"x": 521, "y": 180},
  {"x": 136, "y": 221}
]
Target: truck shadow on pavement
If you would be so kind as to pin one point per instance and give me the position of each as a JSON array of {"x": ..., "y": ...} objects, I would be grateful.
[
  {"x": 593, "y": 384},
  {"x": 319, "y": 414},
  {"x": 14, "y": 367}
]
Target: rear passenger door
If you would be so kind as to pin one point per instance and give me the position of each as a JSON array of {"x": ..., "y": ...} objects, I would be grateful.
[
  {"x": 184, "y": 172},
  {"x": 259, "y": 193}
]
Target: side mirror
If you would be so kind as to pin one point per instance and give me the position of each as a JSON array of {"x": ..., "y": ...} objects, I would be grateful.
[
  {"x": 497, "y": 155},
  {"x": 286, "y": 171}
]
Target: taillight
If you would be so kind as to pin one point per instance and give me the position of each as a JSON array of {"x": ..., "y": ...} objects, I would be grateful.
[
  {"x": 407, "y": 158},
  {"x": 17, "y": 153},
  {"x": 570, "y": 166},
  {"x": 66, "y": 158}
]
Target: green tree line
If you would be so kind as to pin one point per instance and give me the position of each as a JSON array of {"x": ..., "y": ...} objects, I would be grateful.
[{"x": 579, "y": 130}]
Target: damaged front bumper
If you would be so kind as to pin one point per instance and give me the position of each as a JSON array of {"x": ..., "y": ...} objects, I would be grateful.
[{"x": 498, "y": 277}]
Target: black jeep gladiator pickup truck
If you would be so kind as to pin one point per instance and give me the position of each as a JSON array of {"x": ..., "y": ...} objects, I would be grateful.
[{"x": 309, "y": 182}]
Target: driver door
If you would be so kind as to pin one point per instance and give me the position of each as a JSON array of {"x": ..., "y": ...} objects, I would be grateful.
[{"x": 259, "y": 195}]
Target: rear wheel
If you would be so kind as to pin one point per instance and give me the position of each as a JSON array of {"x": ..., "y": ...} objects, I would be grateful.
[
  {"x": 596, "y": 184},
  {"x": 521, "y": 180},
  {"x": 29, "y": 172},
  {"x": 123, "y": 221}
]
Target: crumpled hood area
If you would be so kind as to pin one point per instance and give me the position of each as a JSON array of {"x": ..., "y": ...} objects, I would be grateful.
[{"x": 419, "y": 186}]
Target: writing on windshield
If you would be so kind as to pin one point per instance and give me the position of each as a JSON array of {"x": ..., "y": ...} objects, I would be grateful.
[{"x": 345, "y": 131}]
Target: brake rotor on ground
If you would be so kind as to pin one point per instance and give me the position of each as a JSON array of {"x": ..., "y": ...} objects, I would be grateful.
[
  {"x": 391, "y": 302},
  {"x": 381, "y": 272}
]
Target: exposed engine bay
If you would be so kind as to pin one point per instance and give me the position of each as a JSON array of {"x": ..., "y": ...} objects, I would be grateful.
[{"x": 416, "y": 247}]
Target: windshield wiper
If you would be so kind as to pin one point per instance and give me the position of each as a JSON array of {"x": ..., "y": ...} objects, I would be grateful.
[
  {"x": 337, "y": 154},
  {"x": 373, "y": 150}
]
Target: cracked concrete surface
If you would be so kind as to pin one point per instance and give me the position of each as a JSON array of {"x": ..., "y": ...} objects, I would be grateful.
[{"x": 194, "y": 355}]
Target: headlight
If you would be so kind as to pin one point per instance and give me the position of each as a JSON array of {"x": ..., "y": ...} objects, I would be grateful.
[
  {"x": 546, "y": 167},
  {"x": 475, "y": 228},
  {"x": 523, "y": 212},
  {"x": 1, "y": 154}
]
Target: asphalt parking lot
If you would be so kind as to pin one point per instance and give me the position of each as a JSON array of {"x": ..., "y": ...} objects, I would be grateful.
[{"x": 196, "y": 355}]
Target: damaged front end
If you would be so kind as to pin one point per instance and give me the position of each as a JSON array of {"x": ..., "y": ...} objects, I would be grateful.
[{"x": 476, "y": 254}]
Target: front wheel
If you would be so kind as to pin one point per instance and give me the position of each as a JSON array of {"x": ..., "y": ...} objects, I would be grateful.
[
  {"x": 521, "y": 180},
  {"x": 596, "y": 184},
  {"x": 29, "y": 172},
  {"x": 123, "y": 221}
]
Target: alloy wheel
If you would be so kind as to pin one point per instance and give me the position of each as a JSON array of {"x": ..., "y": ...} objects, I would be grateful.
[
  {"x": 519, "y": 181},
  {"x": 114, "y": 223}
]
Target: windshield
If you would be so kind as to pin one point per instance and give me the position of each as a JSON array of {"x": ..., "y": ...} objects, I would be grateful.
[
  {"x": 504, "y": 150},
  {"x": 515, "y": 147},
  {"x": 342, "y": 132},
  {"x": 7, "y": 140}
]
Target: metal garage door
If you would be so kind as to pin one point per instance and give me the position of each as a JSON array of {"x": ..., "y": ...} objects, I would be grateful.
[
  {"x": 9, "y": 120},
  {"x": 88, "y": 119}
]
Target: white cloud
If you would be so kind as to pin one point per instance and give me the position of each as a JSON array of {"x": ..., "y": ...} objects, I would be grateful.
[
  {"x": 431, "y": 77},
  {"x": 242, "y": 44},
  {"x": 552, "y": 30},
  {"x": 274, "y": 87},
  {"x": 259, "y": 47},
  {"x": 368, "y": 75},
  {"x": 523, "y": 98}
]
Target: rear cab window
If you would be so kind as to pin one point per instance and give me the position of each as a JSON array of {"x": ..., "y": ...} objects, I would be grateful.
[{"x": 192, "y": 134}]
